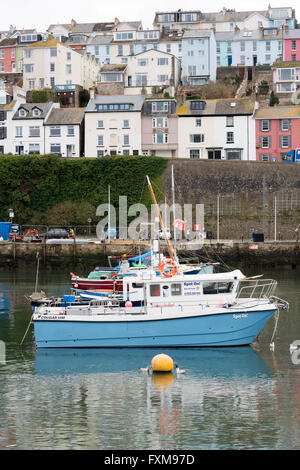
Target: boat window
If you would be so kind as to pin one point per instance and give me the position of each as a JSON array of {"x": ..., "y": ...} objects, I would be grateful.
[
  {"x": 137, "y": 285},
  {"x": 154, "y": 290},
  {"x": 175, "y": 289},
  {"x": 217, "y": 287}
]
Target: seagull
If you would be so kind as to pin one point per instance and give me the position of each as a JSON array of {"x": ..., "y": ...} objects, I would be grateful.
[
  {"x": 179, "y": 371},
  {"x": 145, "y": 369},
  {"x": 272, "y": 346}
]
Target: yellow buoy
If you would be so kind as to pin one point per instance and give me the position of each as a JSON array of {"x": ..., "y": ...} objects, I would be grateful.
[{"x": 162, "y": 363}]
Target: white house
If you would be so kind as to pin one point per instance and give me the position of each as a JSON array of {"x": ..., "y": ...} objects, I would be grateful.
[
  {"x": 8, "y": 106},
  {"x": 64, "y": 132},
  {"x": 28, "y": 127},
  {"x": 152, "y": 68},
  {"x": 113, "y": 126},
  {"x": 217, "y": 129}
]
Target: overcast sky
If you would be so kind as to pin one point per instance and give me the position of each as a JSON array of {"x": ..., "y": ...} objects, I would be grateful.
[{"x": 40, "y": 14}]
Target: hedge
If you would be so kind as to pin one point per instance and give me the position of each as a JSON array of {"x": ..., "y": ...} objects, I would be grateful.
[{"x": 35, "y": 184}]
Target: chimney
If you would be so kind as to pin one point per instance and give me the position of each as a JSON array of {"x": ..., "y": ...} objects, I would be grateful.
[{"x": 92, "y": 93}]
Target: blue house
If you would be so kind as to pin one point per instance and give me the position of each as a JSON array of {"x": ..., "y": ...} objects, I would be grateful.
[
  {"x": 99, "y": 46},
  {"x": 198, "y": 57}
]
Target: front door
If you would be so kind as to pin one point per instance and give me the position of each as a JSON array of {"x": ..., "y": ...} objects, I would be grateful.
[
  {"x": 254, "y": 60},
  {"x": 69, "y": 150},
  {"x": 214, "y": 154},
  {"x": 19, "y": 149},
  {"x": 229, "y": 60}
]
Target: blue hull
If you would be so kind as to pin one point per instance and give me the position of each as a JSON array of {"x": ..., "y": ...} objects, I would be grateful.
[{"x": 226, "y": 329}]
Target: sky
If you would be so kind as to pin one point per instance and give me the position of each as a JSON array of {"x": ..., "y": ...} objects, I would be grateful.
[{"x": 40, "y": 14}]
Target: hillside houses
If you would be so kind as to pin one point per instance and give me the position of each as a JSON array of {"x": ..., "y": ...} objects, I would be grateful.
[{"x": 115, "y": 88}]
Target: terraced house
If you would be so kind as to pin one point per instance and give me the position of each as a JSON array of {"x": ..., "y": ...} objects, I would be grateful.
[
  {"x": 48, "y": 63},
  {"x": 113, "y": 126},
  {"x": 277, "y": 132},
  {"x": 217, "y": 129}
]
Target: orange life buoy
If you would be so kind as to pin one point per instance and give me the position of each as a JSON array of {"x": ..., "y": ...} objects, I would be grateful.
[{"x": 170, "y": 273}]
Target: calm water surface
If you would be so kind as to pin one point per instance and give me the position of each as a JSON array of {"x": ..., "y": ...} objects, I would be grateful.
[{"x": 231, "y": 398}]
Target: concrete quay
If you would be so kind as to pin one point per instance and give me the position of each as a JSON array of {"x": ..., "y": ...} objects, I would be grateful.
[{"x": 92, "y": 253}]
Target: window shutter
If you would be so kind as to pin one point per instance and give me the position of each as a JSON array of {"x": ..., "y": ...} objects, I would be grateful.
[
  {"x": 280, "y": 141},
  {"x": 270, "y": 124},
  {"x": 290, "y": 140},
  {"x": 280, "y": 124},
  {"x": 260, "y": 140},
  {"x": 290, "y": 124},
  {"x": 260, "y": 125},
  {"x": 270, "y": 141}
]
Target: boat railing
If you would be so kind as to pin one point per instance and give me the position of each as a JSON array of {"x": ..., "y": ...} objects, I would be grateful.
[{"x": 257, "y": 289}]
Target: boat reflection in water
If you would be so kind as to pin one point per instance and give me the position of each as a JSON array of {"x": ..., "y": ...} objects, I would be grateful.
[{"x": 214, "y": 362}]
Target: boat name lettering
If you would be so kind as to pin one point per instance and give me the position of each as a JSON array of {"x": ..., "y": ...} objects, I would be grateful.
[
  {"x": 53, "y": 317},
  {"x": 192, "y": 284},
  {"x": 241, "y": 315}
]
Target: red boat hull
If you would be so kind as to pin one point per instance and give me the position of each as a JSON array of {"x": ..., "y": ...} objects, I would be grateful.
[{"x": 97, "y": 284}]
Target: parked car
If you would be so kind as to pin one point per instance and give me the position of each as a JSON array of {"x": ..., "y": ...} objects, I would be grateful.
[
  {"x": 113, "y": 232},
  {"x": 162, "y": 234},
  {"x": 57, "y": 233}
]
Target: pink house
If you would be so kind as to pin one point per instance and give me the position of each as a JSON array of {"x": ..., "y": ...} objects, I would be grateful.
[
  {"x": 160, "y": 128},
  {"x": 292, "y": 45},
  {"x": 277, "y": 131},
  {"x": 8, "y": 55}
]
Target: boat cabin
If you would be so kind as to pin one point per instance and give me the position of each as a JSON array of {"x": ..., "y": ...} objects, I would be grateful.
[{"x": 153, "y": 290}]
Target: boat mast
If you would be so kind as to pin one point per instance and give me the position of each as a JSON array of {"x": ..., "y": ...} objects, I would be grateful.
[
  {"x": 174, "y": 209},
  {"x": 160, "y": 219}
]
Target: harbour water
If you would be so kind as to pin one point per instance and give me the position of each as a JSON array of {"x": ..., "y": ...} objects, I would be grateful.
[{"x": 229, "y": 398}]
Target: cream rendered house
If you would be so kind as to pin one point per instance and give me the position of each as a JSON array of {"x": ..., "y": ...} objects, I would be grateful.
[
  {"x": 113, "y": 126},
  {"x": 50, "y": 63},
  {"x": 150, "y": 69}
]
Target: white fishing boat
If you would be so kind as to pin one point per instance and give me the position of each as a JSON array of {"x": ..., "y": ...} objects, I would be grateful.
[{"x": 162, "y": 307}]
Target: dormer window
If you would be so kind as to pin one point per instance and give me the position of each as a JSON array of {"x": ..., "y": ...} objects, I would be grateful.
[
  {"x": 36, "y": 112},
  {"x": 22, "y": 112},
  {"x": 198, "y": 105}
]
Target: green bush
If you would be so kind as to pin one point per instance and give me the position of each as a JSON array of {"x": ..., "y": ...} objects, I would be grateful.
[{"x": 41, "y": 186}]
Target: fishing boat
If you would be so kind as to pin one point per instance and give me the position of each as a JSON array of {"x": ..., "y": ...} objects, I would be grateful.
[
  {"x": 160, "y": 306},
  {"x": 220, "y": 309}
]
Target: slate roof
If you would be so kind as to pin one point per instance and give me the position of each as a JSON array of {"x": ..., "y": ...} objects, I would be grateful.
[
  {"x": 65, "y": 116},
  {"x": 198, "y": 33},
  {"x": 218, "y": 107},
  {"x": 51, "y": 42},
  {"x": 108, "y": 68},
  {"x": 107, "y": 39},
  {"x": 8, "y": 42},
  {"x": 43, "y": 107},
  {"x": 136, "y": 100},
  {"x": 278, "y": 112}
]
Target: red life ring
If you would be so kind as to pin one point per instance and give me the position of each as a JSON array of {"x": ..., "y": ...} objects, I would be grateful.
[{"x": 171, "y": 273}]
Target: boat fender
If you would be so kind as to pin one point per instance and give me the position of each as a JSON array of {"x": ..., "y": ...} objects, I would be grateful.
[
  {"x": 128, "y": 303},
  {"x": 74, "y": 275}
]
